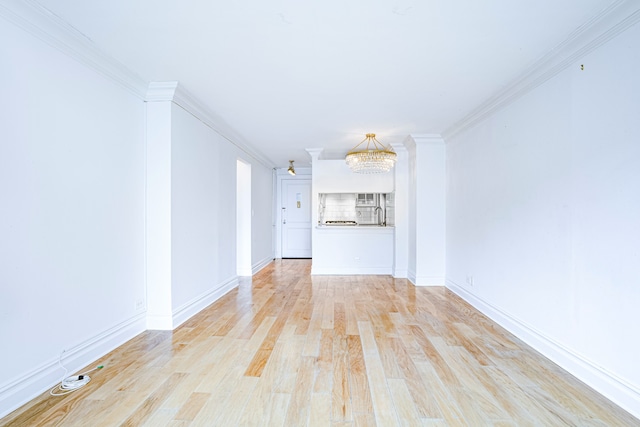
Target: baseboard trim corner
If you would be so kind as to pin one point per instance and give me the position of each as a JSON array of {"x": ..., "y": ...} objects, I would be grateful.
[
  {"x": 262, "y": 264},
  {"x": 196, "y": 305}
]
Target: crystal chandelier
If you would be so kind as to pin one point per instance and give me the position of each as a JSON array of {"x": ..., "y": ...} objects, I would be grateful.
[{"x": 377, "y": 159}]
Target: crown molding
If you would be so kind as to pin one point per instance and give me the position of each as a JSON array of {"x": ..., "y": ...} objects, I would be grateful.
[
  {"x": 161, "y": 91},
  {"x": 172, "y": 91},
  {"x": 427, "y": 139},
  {"x": 43, "y": 24},
  {"x": 412, "y": 141},
  {"x": 611, "y": 21},
  {"x": 398, "y": 147},
  {"x": 314, "y": 153}
]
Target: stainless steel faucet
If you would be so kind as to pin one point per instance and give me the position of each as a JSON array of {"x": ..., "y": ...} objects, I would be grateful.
[{"x": 384, "y": 220}]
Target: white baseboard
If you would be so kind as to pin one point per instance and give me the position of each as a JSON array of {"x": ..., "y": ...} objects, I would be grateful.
[
  {"x": 20, "y": 390},
  {"x": 411, "y": 275},
  {"x": 160, "y": 323},
  {"x": 245, "y": 272},
  {"x": 619, "y": 391},
  {"x": 427, "y": 281},
  {"x": 344, "y": 271},
  {"x": 193, "y": 307},
  {"x": 261, "y": 264},
  {"x": 400, "y": 274}
]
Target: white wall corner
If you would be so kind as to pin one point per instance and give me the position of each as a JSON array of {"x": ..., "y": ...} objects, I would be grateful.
[
  {"x": 411, "y": 275},
  {"x": 615, "y": 389},
  {"x": 159, "y": 322},
  {"x": 409, "y": 144},
  {"x": 242, "y": 272},
  {"x": 400, "y": 273},
  {"x": 196, "y": 305},
  {"x": 261, "y": 264},
  {"x": 176, "y": 93}
]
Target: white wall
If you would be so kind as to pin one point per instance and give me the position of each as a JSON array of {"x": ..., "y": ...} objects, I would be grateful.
[
  {"x": 243, "y": 219},
  {"x": 543, "y": 208},
  {"x": 402, "y": 237},
  {"x": 334, "y": 176},
  {"x": 71, "y": 215},
  {"x": 202, "y": 210},
  {"x": 203, "y": 206},
  {"x": 412, "y": 207},
  {"x": 72, "y": 210},
  {"x": 158, "y": 214},
  {"x": 262, "y": 217}
]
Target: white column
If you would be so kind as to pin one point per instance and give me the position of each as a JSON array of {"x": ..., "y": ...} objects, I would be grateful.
[
  {"x": 401, "y": 193},
  {"x": 314, "y": 153},
  {"x": 427, "y": 204},
  {"x": 158, "y": 206}
]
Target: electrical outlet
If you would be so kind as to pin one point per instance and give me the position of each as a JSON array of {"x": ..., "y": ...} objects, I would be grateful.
[
  {"x": 470, "y": 280},
  {"x": 139, "y": 304}
]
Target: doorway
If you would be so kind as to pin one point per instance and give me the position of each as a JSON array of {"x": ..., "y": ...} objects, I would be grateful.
[{"x": 296, "y": 218}]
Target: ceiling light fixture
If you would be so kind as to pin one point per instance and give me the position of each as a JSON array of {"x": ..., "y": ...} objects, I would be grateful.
[
  {"x": 377, "y": 159},
  {"x": 291, "y": 170}
]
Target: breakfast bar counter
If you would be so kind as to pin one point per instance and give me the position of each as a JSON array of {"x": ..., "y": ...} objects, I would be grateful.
[{"x": 353, "y": 249}]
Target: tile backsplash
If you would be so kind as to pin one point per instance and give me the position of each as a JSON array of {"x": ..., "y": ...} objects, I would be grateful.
[
  {"x": 348, "y": 207},
  {"x": 337, "y": 207}
]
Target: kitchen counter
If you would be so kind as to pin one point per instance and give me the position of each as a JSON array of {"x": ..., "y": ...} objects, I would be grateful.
[
  {"x": 347, "y": 227},
  {"x": 353, "y": 249}
]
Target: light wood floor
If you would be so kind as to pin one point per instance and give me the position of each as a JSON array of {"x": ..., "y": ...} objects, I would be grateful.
[{"x": 288, "y": 349}]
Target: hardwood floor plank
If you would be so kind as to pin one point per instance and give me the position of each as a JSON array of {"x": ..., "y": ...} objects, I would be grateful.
[
  {"x": 288, "y": 349},
  {"x": 320, "y": 415},
  {"x": 341, "y": 401},
  {"x": 324, "y": 363},
  {"x": 286, "y": 370},
  {"x": 382, "y": 403},
  {"x": 234, "y": 405},
  {"x": 147, "y": 408},
  {"x": 403, "y": 402},
  {"x": 424, "y": 401},
  {"x": 192, "y": 406},
  {"x": 263, "y": 398},
  {"x": 278, "y": 405},
  {"x": 358, "y": 380},
  {"x": 298, "y": 411}
]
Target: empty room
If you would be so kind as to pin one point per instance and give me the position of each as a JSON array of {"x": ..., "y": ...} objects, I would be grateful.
[{"x": 356, "y": 213}]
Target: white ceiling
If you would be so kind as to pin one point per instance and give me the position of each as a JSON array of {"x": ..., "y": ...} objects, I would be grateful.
[{"x": 293, "y": 74}]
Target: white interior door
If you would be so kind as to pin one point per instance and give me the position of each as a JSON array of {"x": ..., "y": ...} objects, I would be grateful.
[{"x": 296, "y": 218}]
